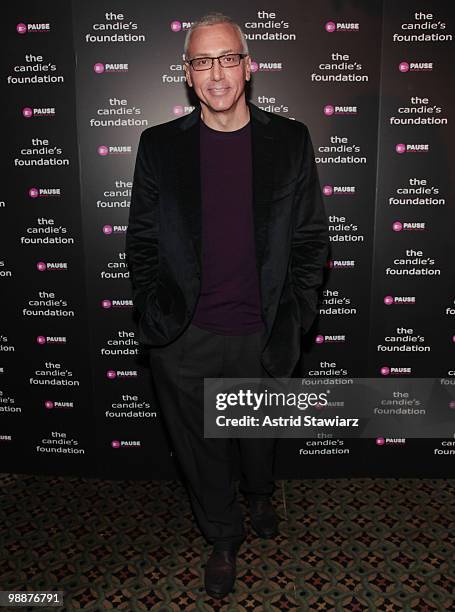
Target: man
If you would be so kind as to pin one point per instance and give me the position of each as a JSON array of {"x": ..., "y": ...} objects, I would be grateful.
[{"x": 226, "y": 244}]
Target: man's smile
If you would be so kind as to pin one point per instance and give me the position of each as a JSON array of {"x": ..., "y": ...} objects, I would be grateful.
[{"x": 217, "y": 91}]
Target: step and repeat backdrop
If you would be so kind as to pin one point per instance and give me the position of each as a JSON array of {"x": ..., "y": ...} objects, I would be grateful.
[{"x": 372, "y": 79}]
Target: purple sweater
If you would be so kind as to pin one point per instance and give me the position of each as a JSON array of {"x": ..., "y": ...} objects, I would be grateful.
[{"x": 229, "y": 302}]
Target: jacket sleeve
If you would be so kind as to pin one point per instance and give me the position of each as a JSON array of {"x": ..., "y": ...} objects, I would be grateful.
[
  {"x": 143, "y": 227},
  {"x": 310, "y": 240}
]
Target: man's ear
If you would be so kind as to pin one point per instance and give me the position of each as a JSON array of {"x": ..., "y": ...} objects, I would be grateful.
[
  {"x": 247, "y": 68},
  {"x": 186, "y": 67}
]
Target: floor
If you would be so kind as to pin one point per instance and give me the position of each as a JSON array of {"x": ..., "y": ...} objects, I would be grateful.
[{"x": 344, "y": 544}]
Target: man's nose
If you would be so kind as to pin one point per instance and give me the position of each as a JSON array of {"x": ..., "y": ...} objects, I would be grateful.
[{"x": 216, "y": 70}]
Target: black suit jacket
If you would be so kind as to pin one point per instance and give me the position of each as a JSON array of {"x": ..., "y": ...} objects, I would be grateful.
[{"x": 163, "y": 239}]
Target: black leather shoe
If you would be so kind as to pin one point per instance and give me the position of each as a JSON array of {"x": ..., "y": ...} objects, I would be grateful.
[
  {"x": 220, "y": 571},
  {"x": 263, "y": 518}
]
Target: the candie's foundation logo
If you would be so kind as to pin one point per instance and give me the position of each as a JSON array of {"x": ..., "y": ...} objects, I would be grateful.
[
  {"x": 401, "y": 148},
  {"x": 333, "y": 190},
  {"x": 44, "y": 192},
  {"x": 390, "y": 300},
  {"x": 36, "y": 28},
  {"x": 341, "y": 26},
  {"x": 330, "y": 109},
  {"x": 415, "y": 66},
  {"x": 109, "y": 303},
  {"x": 107, "y": 68},
  {"x": 178, "y": 26},
  {"x": 37, "y": 113},
  {"x": 114, "y": 229},
  {"x": 407, "y": 226},
  {"x": 395, "y": 371},
  {"x": 125, "y": 443},
  {"x": 104, "y": 150}
]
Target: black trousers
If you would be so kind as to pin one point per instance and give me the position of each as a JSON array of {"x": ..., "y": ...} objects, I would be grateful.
[{"x": 178, "y": 372}]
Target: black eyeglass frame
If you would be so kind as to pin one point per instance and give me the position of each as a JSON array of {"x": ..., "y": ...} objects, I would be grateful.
[{"x": 240, "y": 55}]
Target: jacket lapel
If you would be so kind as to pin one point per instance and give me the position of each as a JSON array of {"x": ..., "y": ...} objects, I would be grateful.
[
  {"x": 189, "y": 180},
  {"x": 263, "y": 169}
]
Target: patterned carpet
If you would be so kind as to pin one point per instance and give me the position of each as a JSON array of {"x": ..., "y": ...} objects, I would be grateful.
[{"x": 346, "y": 544}]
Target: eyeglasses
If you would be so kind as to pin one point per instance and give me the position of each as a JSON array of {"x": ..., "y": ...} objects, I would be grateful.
[{"x": 226, "y": 61}]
